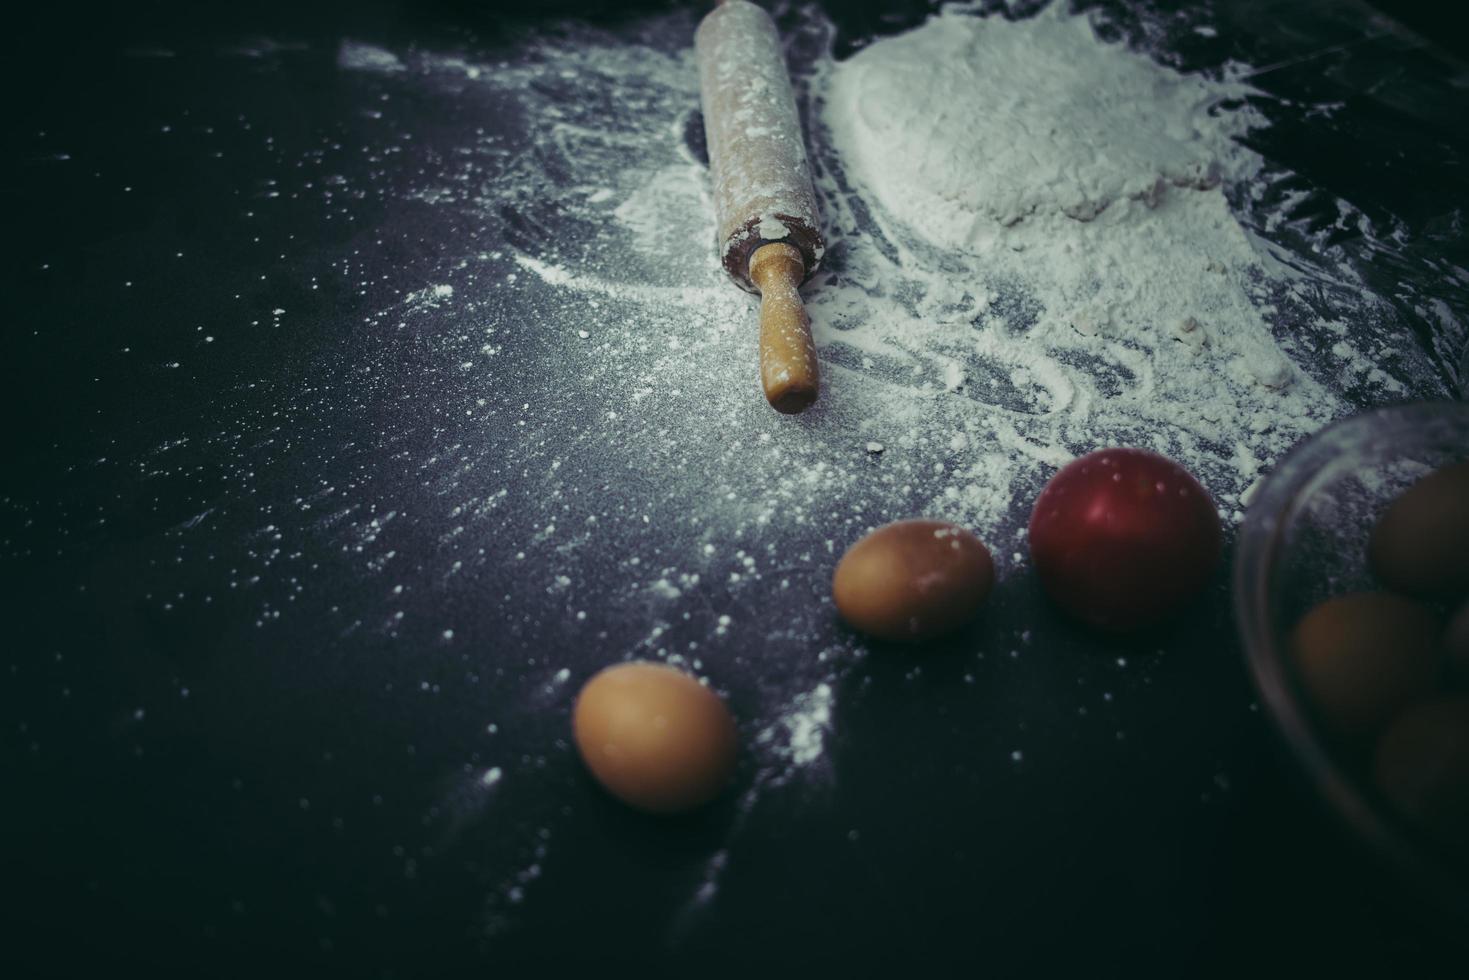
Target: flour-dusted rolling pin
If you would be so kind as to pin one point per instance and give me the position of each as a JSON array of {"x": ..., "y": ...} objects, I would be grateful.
[{"x": 769, "y": 240}]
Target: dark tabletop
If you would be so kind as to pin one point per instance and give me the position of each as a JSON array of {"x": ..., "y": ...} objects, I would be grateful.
[{"x": 276, "y": 576}]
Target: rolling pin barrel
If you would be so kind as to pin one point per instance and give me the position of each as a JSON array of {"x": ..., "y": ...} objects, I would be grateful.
[{"x": 763, "y": 198}]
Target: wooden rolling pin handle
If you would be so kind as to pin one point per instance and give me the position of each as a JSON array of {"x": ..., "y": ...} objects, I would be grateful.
[{"x": 788, "y": 369}]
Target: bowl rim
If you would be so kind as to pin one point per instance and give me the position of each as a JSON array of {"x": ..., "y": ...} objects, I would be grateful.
[{"x": 1279, "y": 498}]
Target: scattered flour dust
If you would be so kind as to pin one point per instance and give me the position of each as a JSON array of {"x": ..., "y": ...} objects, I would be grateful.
[
  {"x": 799, "y": 735},
  {"x": 1032, "y": 253}
]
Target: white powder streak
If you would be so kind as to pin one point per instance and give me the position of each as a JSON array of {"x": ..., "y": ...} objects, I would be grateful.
[{"x": 799, "y": 736}]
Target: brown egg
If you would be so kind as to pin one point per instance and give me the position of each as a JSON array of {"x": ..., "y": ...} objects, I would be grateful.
[
  {"x": 655, "y": 737},
  {"x": 1362, "y": 658},
  {"x": 1422, "y": 766},
  {"x": 1421, "y": 544},
  {"x": 1456, "y": 647},
  {"x": 913, "y": 580}
]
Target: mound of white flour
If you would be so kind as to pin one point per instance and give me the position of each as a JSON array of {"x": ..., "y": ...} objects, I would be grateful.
[
  {"x": 1062, "y": 253},
  {"x": 968, "y": 120}
]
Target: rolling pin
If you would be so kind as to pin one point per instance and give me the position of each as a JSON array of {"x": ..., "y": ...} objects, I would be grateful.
[{"x": 769, "y": 239}]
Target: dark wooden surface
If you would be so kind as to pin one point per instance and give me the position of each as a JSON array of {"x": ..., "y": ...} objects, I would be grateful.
[{"x": 195, "y": 788}]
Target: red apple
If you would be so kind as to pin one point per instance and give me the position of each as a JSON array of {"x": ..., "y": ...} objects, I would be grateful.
[{"x": 1122, "y": 538}]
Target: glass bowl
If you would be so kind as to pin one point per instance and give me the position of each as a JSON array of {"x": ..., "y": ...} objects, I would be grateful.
[{"x": 1304, "y": 540}]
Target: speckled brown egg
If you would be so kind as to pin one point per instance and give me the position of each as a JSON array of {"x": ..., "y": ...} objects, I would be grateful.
[
  {"x": 1362, "y": 658},
  {"x": 654, "y": 736},
  {"x": 1421, "y": 544},
  {"x": 913, "y": 580},
  {"x": 1422, "y": 766}
]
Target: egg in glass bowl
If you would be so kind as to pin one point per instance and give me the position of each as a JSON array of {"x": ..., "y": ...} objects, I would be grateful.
[{"x": 1351, "y": 589}]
